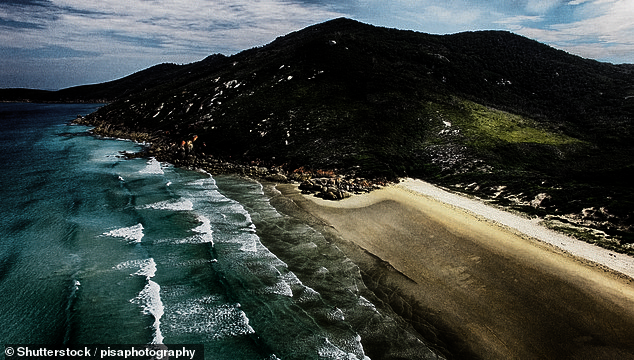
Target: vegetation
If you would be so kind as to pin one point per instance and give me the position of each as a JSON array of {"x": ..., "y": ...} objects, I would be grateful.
[{"x": 485, "y": 126}]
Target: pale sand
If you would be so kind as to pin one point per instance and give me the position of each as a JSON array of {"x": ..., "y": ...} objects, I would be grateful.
[
  {"x": 618, "y": 262},
  {"x": 496, "y": 293}
]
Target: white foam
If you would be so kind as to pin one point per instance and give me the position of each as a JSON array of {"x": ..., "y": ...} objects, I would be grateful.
[
  {"x": 190, "y": 263},
  {"x": 153, "y": 167},
  {"x": 202, "y": 317},
  {"x": 199, "y": 182},
  {"x": 214, "y": 196},
  {"x": 336, "y": 315},
  {"x": 174, "y": 205},
  {"x": 291, "y": 278},
  {"x": 133, "y": 234},
  {"x": 365, "y": 302},
  {"x": 307, "y": 295},
  {"x": 147, "y": 268},
  {"x": 205, "y": 233},
  {"x": 129, "y": 264},
  {"x": 150, "y": 300},
  {"x": 250, "y": 244},
  {"x": 330, "y": 351},
  {"x": 280, "y": 288}
]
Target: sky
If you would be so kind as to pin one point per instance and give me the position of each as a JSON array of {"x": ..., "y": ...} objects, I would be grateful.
[{"x": 53, "y": 44}]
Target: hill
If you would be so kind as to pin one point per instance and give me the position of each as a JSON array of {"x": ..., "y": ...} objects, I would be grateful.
[
  {"x": 489, "y": 113},
  {"x": 112, "y": 90}
]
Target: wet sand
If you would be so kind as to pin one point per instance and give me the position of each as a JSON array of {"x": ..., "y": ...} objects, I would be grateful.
[{"x": 481, "y": 289}]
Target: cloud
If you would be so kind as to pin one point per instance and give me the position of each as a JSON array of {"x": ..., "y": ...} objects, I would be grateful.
[
  {"x": 167, "y": 24},
  {"x": 541, "y": 6},
  {"x": 577, "y": 2},
  {"x": 124, "y": 36},
  {"x": 516, "y": 22},
  {"x": 25, "y": 14},
  {"x": 15, "y": 24},
  {"x": 422, "y": 15},
  {"x": 605, "y": 31}
]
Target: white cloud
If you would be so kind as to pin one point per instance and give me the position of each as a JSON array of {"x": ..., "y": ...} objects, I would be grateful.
[
  {"x": 458, "y": 15},
  {"x": 577, "y": 2},
  {"x": 606, "y": 32},
  {"x": 517, "y": 22},
  {"x": 422, "y": 15},
  {"x": 541, "y": 6},
  {"x": 621, "y": 53},
  {"x": 202, "y": 26}
]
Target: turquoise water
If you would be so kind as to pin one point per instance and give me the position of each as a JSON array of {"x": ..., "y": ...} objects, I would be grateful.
[{"x": 97, "y": 249}]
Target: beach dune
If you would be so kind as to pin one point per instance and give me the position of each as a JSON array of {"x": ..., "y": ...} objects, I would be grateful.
[{"x": 489, "y": 290}]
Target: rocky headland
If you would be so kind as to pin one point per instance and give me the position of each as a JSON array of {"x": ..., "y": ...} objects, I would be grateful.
[{"x": 326, "y": 184}]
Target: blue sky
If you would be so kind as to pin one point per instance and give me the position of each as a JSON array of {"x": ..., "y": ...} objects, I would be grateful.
[{"x": 51, "y": 44}]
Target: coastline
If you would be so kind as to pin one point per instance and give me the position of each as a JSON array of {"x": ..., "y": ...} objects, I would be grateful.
[
  {"x": 474, "y": 289},
  {"x": 488, "y": 290},
  {"x": 533, "y": 228}
]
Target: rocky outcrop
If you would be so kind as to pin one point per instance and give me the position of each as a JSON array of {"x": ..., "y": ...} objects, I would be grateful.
[
  {"x": 187, "y": 154},
  {"x": 337, "y": 187}
]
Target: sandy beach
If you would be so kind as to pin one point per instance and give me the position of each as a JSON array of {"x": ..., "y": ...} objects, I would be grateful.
[{"x": 489, "y": 284}]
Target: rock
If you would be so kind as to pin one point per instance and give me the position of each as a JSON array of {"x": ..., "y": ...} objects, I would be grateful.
[
  {"x": 330, "y": 196},
  {"x": 541, "y": 200},
  {"x": 277, "y": 178},
  {"x": 307, "y": 185}
]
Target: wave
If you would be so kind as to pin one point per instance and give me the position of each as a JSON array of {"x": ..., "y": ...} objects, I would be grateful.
[
  {"x": 150, "y": 300},
  {"x": 203, "y": 316},
  {"x": 205, "y": 233},
  {"x": 150, "y": 297},
  {"x": 130, "y": 264},
  {"x": 147, "y": 268},
  {"x": 173, "y": 205},
  {"x": 328, "y": 350},
  {"x": 132, "y": 234},
  {"x": 153, "y": 167}
]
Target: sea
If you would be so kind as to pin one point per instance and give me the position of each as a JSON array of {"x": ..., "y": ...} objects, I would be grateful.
[{"x": 96, "y": 248}]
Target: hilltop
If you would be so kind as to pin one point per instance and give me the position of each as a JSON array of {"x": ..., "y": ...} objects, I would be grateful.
[{"x": 488, "y": 113}]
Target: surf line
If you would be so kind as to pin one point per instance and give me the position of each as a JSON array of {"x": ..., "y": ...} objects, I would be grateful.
[{"x": 150, "y": 298}]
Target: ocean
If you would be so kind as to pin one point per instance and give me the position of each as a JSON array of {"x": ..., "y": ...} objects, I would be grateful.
[{"x": 99, "y": 249}]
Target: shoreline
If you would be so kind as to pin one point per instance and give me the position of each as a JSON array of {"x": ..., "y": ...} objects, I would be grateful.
[
  {"x": 532, "y": 228},
  {"x": 471, "y": 297},
  {"x": 491, "y": 291}
]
